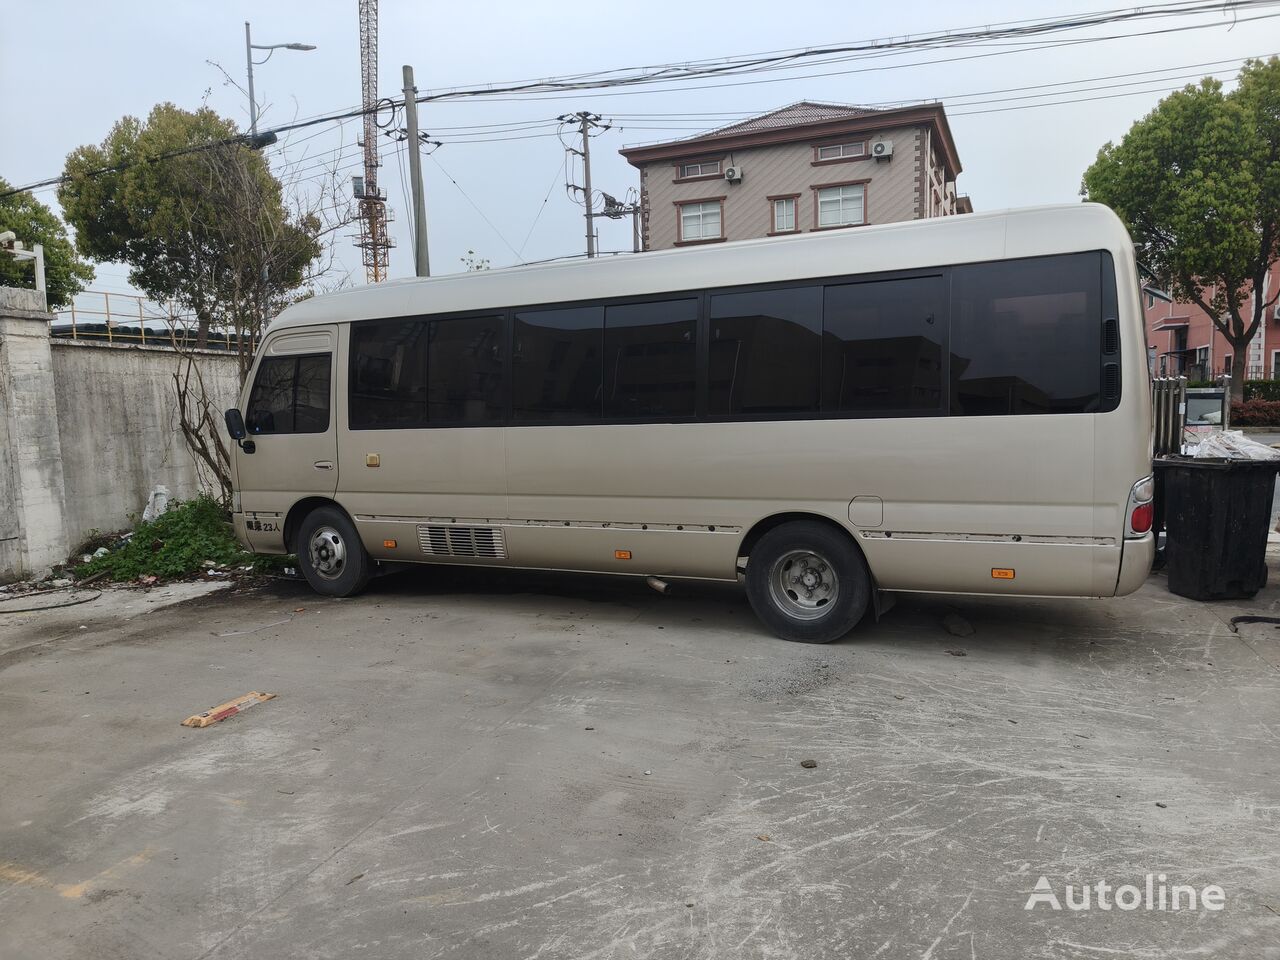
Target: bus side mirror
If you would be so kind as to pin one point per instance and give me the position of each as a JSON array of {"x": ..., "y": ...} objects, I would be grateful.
[
  {"x": 235, "y": 427},
  {"x": 235, "y": 424}
]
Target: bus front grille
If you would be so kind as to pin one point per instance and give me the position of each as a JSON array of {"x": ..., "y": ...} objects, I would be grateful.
[{"x": 450, "y": 541}]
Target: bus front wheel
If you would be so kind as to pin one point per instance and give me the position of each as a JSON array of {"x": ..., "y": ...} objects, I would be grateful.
[
  {"x": 807, "y": 582},
  {"x": 330, "y": 553}
]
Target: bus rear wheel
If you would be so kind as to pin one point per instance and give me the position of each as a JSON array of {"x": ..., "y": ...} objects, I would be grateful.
[
  {"x": 807, "y": 582},
  {"x": 331, "y": 555}
]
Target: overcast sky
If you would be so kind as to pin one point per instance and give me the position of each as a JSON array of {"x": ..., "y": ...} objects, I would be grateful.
[{"x": 71, "y": 69}]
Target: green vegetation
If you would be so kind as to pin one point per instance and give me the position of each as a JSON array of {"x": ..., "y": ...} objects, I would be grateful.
[
  {"x": 65, "y": 274},
  {"x": 177, "y": 544},
  {"x": 208, "y": 227},
  {"x": 1197, "y": 182},
  {"x": 1262, "y": 390}
]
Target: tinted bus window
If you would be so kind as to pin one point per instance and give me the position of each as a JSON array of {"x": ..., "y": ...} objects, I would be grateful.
[
  {"x": 388, "y": 374},
  {"x": 556, "y": 369},
  {"x": 1026, "y": 336},
  {"x": 764, "y": 352},
  {"x": 290, "y": 395},
  {"x": 464, "y": 370},
  {"x": 650, "y": 365},
  {"x": 882, "y": 347}
]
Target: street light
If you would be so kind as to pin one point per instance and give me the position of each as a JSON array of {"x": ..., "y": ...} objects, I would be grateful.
[{"x": 249, "y": 47}]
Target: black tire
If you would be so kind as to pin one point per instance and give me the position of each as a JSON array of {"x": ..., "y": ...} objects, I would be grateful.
[
  {"x": 330, "y": 553},
  {"x": 820, "y": 607}
]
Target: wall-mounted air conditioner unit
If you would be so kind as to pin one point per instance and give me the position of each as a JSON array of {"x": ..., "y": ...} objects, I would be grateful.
[
  {"x": 882, "y": 149},
  {"x": 733, "y": 174}
]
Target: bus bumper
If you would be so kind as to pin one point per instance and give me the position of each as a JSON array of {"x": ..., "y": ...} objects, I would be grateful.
[{"x": 1135, "y": 563}]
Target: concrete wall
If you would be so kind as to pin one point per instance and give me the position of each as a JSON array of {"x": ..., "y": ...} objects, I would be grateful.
[
  {"x": 86, "y": 431},
  {"x": 893, "y": 194},
  {"x": 32, "y": 534},
  {"x": 118, "y": 422}
]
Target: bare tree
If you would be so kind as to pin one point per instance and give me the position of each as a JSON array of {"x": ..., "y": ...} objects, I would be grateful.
[{"x": 269, "y": 245}]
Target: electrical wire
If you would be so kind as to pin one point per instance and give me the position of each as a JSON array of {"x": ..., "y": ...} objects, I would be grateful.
[
  {"x": 475, "y": 206},
  {"x": 543, "y": 206},
  {"x": 785, "y": 60}
]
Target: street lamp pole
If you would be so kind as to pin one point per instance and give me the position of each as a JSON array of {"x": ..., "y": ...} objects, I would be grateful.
[{"x": 249, "y": 47}]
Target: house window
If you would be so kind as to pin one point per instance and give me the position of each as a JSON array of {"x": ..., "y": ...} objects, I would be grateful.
[
  {"x": 841, "y": 151},
  {"x": 700, "y": 220},
  {"x": 703, "y": 168},
  {"x": 839, "y": 206},
  {"x": 784, "y": 214}
]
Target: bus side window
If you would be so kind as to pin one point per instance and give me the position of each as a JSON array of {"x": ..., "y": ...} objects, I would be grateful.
[
  {"x": 764, "y": 352},
  {"x": 1026, "y": 336},
  {"x": 290, "y": 395}
]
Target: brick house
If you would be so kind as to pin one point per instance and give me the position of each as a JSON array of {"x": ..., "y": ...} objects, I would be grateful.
[
  {"x": 807, "y": 166},
  {"x": 1183, "y": 340}
]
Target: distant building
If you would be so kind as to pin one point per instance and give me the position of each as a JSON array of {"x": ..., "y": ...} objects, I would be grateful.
[
  {"x": 1184, "y": 341},
  {"x": 808, "y": 166}
]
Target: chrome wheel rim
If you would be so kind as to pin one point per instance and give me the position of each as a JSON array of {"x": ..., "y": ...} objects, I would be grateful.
[
  {"x": 328, "y": 553},
  {"x": 804, "y": 585}
]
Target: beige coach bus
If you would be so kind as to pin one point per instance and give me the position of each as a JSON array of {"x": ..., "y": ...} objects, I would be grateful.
[{"x": 956, "y": 405}]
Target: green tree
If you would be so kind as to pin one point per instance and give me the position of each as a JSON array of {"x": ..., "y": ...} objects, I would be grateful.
[
  {"x": 208, "y": 228},
  {"x": 65, "y": 274},
  {"x": 1197, "y": 182}
]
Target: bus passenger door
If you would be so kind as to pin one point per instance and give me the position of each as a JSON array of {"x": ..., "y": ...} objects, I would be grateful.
[{"x": 291, "y": 433}]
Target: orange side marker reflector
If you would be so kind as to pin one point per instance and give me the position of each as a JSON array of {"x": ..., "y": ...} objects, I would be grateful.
[
  {"x": 389, "y": 544},
  {"x": 622, "y": 554},
  {"x": 1001, "y": 573},
  {"x": 228, "y": 709}
]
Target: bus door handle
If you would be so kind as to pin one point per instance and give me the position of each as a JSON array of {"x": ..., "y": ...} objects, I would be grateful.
[{"x": 323, "y": 464}]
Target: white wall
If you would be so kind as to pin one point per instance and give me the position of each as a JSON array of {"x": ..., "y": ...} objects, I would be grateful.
[
  {"x": 86, "y": 431},
  {"x": 117, "y": 418}
]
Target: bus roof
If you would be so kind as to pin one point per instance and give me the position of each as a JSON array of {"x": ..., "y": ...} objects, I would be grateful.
[{"x": 913, "y": 244}]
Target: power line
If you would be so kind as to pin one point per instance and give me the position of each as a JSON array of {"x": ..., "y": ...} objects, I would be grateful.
[
  {"x": 475, "y": 206},
  {"x": 786, "y": 60},
  {"x": 543, "y": 206}
]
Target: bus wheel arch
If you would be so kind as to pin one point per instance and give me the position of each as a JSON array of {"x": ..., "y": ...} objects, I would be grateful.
[
  {"x": 807, "y": 578},
  {"x": 778, "y": 519},
  {"x": 298, "y": 512}
]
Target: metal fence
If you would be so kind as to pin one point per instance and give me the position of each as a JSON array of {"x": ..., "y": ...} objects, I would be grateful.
[{"x": 101, "y": 316}]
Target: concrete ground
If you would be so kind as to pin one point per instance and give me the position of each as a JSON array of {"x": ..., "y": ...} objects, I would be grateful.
[{"x": 467, "y": 764}]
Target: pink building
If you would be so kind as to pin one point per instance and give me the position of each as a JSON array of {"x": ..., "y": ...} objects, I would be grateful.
[{"x": 1183, "y": 340}]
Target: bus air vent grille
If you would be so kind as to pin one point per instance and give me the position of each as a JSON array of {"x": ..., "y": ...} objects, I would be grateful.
[
  {"x": 1110, "y": 381},
  {"x": 450, "y": 541},
  {"x": 1111, "y": 336}
]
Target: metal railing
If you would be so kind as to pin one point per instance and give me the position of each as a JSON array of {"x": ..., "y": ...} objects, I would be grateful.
[{"x": 105, "y": 317}]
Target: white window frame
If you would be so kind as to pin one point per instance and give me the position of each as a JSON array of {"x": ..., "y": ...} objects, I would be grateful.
[
  {"x": 777, "y": 222},
  {"x": 700, "y": 212},
  {"x": 841, "y": 151},
  {"x": 842, "y": 198},
  {"x": 699, "y": 168}
]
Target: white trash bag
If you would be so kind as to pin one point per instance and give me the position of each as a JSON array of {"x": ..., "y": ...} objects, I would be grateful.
[
  {"x": 1232, "y": 445},
  {"x": 157, "y": 503}
]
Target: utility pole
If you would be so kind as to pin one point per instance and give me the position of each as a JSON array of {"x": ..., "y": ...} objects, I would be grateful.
[
  {"x": 253, "y": 104},
  {"x": 586, "y": 122},
  {"x": 421, "y": 262}
]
